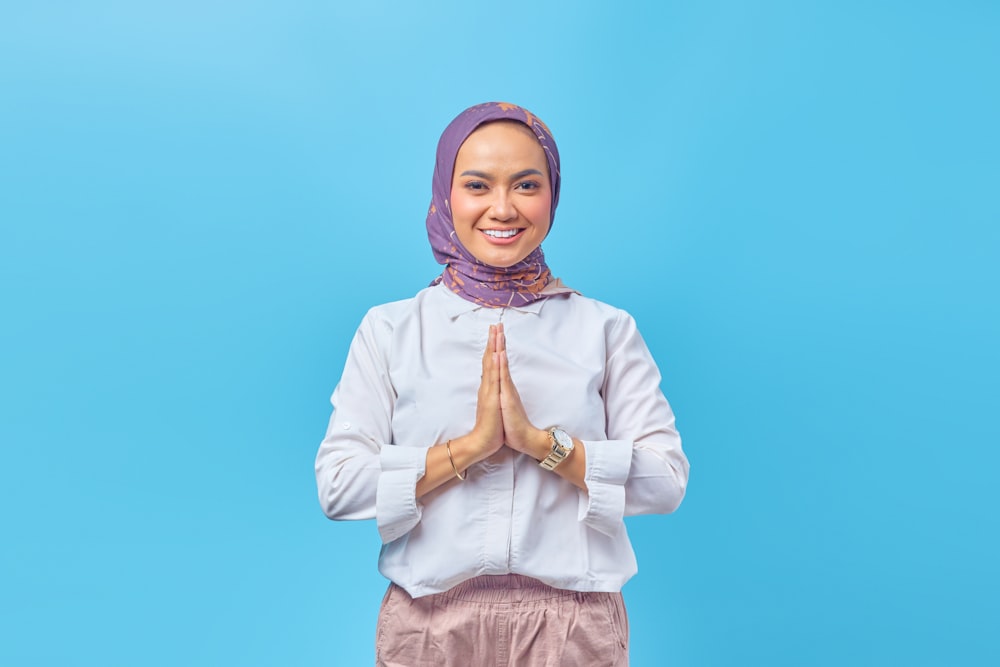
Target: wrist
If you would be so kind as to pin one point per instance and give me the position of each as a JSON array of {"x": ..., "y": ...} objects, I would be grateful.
[
  {"x": 561, "y": 448},
  {"x": 541, "y": 444},
  {"x": 470, "y": 449},
  {"x": 464, "y": 451}
]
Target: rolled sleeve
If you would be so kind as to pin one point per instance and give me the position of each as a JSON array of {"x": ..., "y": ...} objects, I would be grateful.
[
  {"x": 607, "y": 470},
  {"x": 396, "y": 508},
  {"x": 638, "y": 412}
]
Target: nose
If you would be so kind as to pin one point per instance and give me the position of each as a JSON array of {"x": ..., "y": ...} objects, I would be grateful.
[{"x": 502, "y": 208}]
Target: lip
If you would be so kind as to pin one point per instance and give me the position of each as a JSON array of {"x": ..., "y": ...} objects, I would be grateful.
[{"x": 498, "y": 241}]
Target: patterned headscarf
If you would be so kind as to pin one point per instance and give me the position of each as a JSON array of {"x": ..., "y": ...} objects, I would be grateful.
[{"x": 465, "y": 275}]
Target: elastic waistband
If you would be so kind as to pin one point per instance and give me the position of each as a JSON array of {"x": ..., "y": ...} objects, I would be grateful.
[{"x": 506, "y": 588}]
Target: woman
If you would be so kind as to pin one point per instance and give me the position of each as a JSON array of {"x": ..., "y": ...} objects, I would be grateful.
[{"x": 498, "y": 426}]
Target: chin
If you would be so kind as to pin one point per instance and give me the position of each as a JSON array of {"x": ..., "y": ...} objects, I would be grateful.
[
  {"x": 504, "y": 261},
  {"x": 502, "y": 264},
  {"x": 504, "y": 257}
]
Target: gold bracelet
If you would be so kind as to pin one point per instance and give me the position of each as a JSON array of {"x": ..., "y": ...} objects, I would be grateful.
[{"x": 453, "y": 466}]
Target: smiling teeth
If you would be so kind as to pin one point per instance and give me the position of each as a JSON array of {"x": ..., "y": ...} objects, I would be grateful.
[{"x": 501, "y": 234}]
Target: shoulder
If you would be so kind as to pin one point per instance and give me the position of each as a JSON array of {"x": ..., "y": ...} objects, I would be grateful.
[
  {"x": 589, "y": 317},
  {"x": 591, "y": 311},
  {"x": 392, "y": 314}
]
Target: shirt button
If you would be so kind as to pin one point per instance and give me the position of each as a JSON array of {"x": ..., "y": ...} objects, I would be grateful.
[{"x": 345, "y": 425}]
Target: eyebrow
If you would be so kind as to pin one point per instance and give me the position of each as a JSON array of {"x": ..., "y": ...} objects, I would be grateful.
[{"x": 514, "y": 177}]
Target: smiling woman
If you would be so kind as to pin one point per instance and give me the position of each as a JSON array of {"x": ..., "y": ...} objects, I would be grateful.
[
  {"x": 499, "y": 476},
  {"x": 501, "y": 200}
]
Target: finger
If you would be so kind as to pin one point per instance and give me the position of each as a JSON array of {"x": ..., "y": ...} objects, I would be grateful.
[
  {"x": 504, "y": 370},
  {"x": 488, "y": 352},
  {"x": 507, "y": 381},
  {"x": 491, "y": 374},
  {"x": 494, "y": 375}
]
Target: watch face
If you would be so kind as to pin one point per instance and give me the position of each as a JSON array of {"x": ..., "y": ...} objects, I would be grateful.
[{"x": 562, "y": 439}]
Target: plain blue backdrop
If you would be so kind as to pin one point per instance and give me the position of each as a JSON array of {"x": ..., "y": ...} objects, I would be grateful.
[{"x": 798, "y": 201}]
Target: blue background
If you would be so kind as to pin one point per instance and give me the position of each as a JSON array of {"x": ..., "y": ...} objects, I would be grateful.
[{"x": 798, "y": 201}]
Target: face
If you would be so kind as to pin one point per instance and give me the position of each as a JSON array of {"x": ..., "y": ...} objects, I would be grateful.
[{"x": 501, "y": 199}]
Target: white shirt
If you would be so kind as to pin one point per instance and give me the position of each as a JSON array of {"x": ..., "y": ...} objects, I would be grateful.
[{"x": 411, "y": 381}]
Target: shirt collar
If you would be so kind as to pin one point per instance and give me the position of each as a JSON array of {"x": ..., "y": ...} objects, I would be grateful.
[{"x": 455, "y": 306}]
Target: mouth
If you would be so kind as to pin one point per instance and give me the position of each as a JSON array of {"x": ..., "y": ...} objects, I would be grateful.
[{"x": 502, "y": 236}]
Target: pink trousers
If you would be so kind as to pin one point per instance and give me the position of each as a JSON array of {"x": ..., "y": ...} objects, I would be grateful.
[{"x": 502, "y": 620}]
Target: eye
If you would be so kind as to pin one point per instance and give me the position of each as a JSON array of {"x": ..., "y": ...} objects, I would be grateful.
[
  {"x": 528, "y": 185},
  {"x": 475, "y": 186}
]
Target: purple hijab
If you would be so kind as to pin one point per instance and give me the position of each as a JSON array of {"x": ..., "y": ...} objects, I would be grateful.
[{"x": 465, "y": 275}]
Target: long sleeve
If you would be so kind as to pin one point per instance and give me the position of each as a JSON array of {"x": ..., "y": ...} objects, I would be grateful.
[
  {"x": 641, "y": 468},
  {"x": 359, "y": 475},
  {"x": 411, "y": 380}
]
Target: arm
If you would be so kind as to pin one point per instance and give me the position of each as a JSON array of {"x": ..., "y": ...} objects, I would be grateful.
[
  {"x": 349, "y": 462},
  {"x": 359, "y": 473},
  {"x": 640, "y": 468}
]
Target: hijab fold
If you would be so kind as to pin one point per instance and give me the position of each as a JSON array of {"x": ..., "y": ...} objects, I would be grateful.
[{"x": 476, "y": 281}]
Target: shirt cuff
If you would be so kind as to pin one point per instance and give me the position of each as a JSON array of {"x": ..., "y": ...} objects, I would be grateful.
[
  {"x": 396, "y": 509},
  {"x": 608, "y": 465}
]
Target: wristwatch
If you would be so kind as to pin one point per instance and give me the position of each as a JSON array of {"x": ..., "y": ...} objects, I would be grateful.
[{"x": 562, "y": 445}]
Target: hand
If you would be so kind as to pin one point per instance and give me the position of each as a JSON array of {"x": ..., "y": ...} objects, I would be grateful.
[
  {"x": 487, "y": 435},
  {"x": 444, "y": 460},
  {"x": 520, "y": 433}
]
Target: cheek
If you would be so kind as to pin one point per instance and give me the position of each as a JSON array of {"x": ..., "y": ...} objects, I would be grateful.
[
  {"x": 463, "y": 208},
  {"x": 538, "y": 210}
]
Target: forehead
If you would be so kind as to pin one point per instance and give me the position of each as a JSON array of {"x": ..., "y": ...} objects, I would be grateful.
[{"x": 502, "y": 140}]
